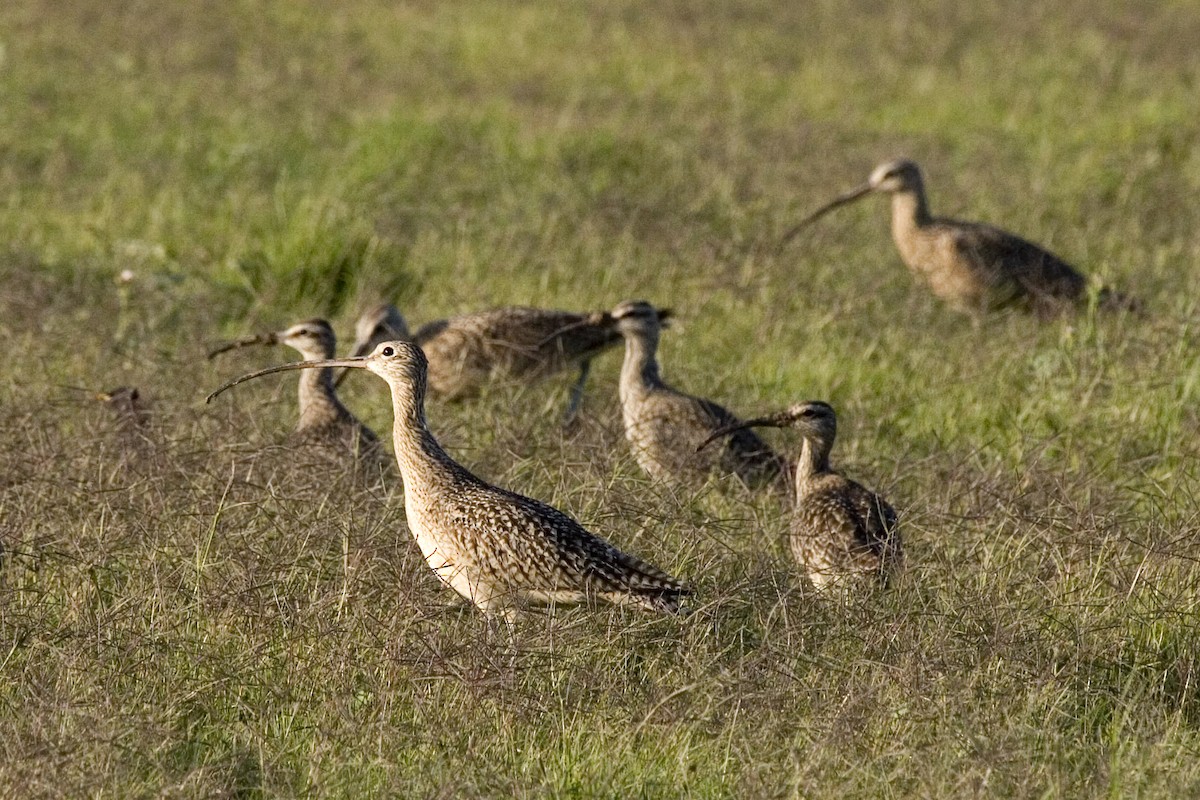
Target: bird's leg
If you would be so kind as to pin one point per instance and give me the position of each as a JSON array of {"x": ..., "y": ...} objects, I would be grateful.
[
  {"x": 503, "y": 645},
  {"x": 507, "y": 617},
  {"x": 570, "y": 417}
]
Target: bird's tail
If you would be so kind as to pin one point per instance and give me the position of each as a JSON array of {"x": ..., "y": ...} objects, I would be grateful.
[
  {"x": 666, "y": 600},
  {"x": 652, "y": 588}
]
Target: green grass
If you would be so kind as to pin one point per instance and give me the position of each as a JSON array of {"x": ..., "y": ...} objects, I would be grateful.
[{"x": 210, "y": 619}]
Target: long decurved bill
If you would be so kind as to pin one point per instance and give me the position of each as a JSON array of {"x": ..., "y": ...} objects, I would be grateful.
[
  {"x": 840, "y": 200},
  {"x": 247, "y": 341},
  {"x": 350, "y": 363},
  {"x": 774, "y": 421}
]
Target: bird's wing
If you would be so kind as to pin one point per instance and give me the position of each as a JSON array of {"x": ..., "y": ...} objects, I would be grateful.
[
  {"x": 1036, "y": 270},
  {"x": 520, "y": 332},
  {"x": 553, "y": 551},
  {"x": 862, "y": 516},
  {"x": 875, "y": 520}
]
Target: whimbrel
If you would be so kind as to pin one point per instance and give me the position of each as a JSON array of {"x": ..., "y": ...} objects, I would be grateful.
[
  {"x": 665, "y": 427},
  {"x": 470, "y": 350},
  {"x": 498, "y": 549},
  {"x": 971, "y": 266},
  {"x": 325, "y": 423},
  {"x": 841, "y": 531}
]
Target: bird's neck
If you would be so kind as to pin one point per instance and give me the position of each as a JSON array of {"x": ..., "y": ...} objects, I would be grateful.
[
  {"x": 639, "y": 372},
  {"x": 910, "y": 211},
  {"x": 318, "y": 400},
  {"x": 419, "y": 455},
  {"x": 813, "y": 462}
]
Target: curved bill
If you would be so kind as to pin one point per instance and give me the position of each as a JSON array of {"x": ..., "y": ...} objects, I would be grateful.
[
  {"x": 773, "y": 421},
  {"x": 247, "y": 341},
  {"x": 840, "y": 200},
  {"x": 351, "y": 363}
]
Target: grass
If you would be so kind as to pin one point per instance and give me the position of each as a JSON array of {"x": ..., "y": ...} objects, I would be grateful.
[{"x": 208, "y": 618}]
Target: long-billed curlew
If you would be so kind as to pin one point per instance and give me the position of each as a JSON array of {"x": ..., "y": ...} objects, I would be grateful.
[
  {"x": 841, "y": 530},
  {"x": 498, "y": 549},
  {"x": 469, "y": 351},
  {"x": 665, "y": 426},
  {"x": 971, "y": 266},
  {"x": 325, "y": 423}
]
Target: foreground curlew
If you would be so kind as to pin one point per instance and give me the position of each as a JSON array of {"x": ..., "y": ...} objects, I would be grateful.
[
  {"x": 665, "y": 427},
  {"x": 324, "y": 423},
  {"x": 971, "y": 266},
  {"x": 841, "y": 531},
  {"x": 498, "y": 549},
  {"x": 470, "y": 350}
]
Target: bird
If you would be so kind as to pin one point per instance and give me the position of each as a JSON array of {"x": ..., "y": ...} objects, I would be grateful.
[
  {"x": 665, "y": 426},
  {"x": 971, "y": 266},
  {"x": 500, "y": 550},
  {"x": 325, "y": 424},
  {"x": 469, "y": 351},
  {"x": 841, "y": 532}
]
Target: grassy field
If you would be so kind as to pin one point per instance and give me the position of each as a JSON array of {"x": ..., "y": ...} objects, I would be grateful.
[{"x": 204, "y": 617}]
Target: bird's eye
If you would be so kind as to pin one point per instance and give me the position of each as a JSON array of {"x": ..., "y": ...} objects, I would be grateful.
[{"x": 388, "y": 352}]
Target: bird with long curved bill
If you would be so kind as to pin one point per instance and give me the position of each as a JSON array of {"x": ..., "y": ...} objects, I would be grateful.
[
  {"x": 841, "y": 532},
  {"x": 498, "y": 549},
  {"x": 971, "y": 266}
]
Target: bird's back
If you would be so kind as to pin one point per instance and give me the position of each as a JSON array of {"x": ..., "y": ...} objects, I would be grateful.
[
  {"x": 466, "y": 351},
  {"x": 977, "y": 266},
  {"x": 666, "y": 427},
  {"x": 500, "y": 548},
  {"x": 842, "y": 529}
]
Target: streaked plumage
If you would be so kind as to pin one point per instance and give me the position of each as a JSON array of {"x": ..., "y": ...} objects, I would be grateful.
[
  {"x": 498, "y": 549},
  {"x": 665, "y": 426},
  {"x": 841, "y": 531},
  {"x": 972, "y": 266},
  {"x": 325, "y": 424}
]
